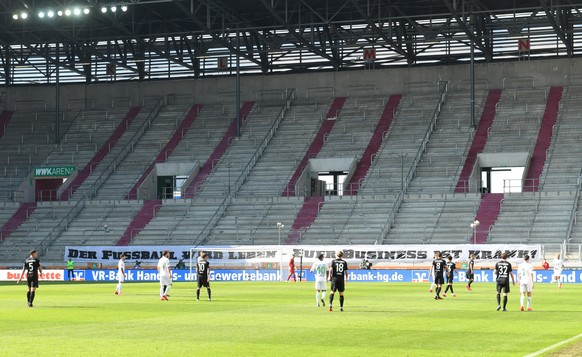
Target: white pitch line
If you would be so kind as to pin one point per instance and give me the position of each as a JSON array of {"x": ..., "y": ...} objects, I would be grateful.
[{"x": 556, "y": 345}]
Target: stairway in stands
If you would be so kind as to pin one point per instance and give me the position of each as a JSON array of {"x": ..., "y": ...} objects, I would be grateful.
[
  {"x": 143, "y": 217},
  {"x": 4, "y": 120},
  {"x": 304, "y": 219},
  {"x": 100, "y": 155},
  {"x": 317, "y": 143},
  {"x": 487, "y": 215},
  {"x": 536, "y": 165},
  {"x": 374, "y": 144},
  {"x": 169, "y": 147},
  {"x": 21, "y": 215},
  {"x": 220, "y": 149},
  {"x": 480, "y": 139}
]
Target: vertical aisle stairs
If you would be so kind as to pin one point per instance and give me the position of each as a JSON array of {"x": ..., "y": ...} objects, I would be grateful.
[
  {"x": 487, "y": 215},
  {"x": 21, "y": 215},
  {"x": 141, "y": 219},
  {"x": 536, "y": 165},
  {"x": 480, "y": 138},
  {"x": 4, "y": 120},
  {"x": 374, "y": 144},
  {"x": 305, "y": 218}
]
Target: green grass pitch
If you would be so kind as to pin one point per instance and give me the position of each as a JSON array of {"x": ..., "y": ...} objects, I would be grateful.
[{"x": 280, "y": 319}]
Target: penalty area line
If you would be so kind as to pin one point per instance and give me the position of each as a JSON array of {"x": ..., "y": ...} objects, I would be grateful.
[{"x": 555, "y": 345}]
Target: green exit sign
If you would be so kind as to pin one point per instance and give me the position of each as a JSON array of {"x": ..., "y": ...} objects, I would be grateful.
[{"x": 54, "y": 171}]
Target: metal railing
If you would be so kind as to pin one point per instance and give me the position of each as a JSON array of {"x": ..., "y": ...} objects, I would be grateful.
[
  {"x": 60, "y": 227},
  {"x": 125, "y": 151},
  {"x": 573, "y": 211},
  {"x": 417, "y": 158}
]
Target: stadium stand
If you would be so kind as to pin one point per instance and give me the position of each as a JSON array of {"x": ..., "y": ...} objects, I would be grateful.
[
  {"x": 119, "y": 149},
  {"x": 279, "y": 161},
  {"x": 421, "y": 203},
  {"x": 119, "y": 184},
  {"x": 220, "y": 149},
  {"x": 27, "y": 141},
  {"x": 14, "y": 214},
  {"x": 442, "y": 218},
  {"x": 564, "y": 161},
  {"x": 532, "y": 218},
  {"x": 317, "y": 143},
  {"x": 178, "y": 135},
  {"x": 91, "y": 128}
]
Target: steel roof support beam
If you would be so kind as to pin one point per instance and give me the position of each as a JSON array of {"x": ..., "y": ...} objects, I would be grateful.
[
  {"x": 297, "y": 36},
  {"x": 216, "y": 36},
  {"x": 563, "y": 28},
  {"x": 477, "y": 41},
  {"x": 397, "y": 47}
]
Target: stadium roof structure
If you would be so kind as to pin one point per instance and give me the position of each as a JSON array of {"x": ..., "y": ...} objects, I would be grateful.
[{"x": 159, "y": 39}]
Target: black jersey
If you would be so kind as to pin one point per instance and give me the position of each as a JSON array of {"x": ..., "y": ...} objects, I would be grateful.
[
  {"x": 338, "y": 268},
  {"x": 471, "y": 266},
  {"x": 439, "y": 266},
  {"x": 202, "y": 268},
  {"x": 502, "y": 269},
  {"x": 31, "y": 266},
  {"x": 451, "y": 266}
]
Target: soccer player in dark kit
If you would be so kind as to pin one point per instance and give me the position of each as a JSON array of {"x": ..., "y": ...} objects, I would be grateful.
[
  {"x": 502, "y": 273},
  {"x": 338, "y": 274},
  {"x": 203, "y": 276},
  {"x": 32, "y": 268},
  {"x": 470, "y": 272},
  {"x": 438, "y": 272},
  {"x": 451, "y": 269}
]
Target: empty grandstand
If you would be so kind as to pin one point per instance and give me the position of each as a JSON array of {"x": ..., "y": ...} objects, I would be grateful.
[{"x": 387, "y": 124}]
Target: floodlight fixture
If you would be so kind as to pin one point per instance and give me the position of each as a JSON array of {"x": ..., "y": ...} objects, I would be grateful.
[
  {"x": 103, "y": 9},
  {"x": 50, "y": 13},
  {"x": 41, "y": 14},
  {"x": 77, "y": 11},
  {"x": 113, "y": 8},
  {"x": 15, "y": 16},
  {"x": 124, "y": 8},
  {"x": 86, "y": 11},
  {"x": 23, "y": 15},
  {"x": 68, "y": 12},
  {"x": 60, "y": 13}
]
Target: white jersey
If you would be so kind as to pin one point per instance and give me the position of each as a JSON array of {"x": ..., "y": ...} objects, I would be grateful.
[
  {"x": 525, "y": 273},
  {"x": 320, "y": 269},
  {"x": 558, "y": 265},
  {"x": 120, "y": 270},
  {"x": 164, "y": 266}
]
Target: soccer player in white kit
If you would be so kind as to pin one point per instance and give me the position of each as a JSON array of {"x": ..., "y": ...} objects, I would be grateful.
[
  {"x": 320, "y": 268},
  {"x": 558, "y": 266},
  {"x": 120, "y": 274},
  {"x": 526, "y": 282},
  {"x": 165, "y": 275}
]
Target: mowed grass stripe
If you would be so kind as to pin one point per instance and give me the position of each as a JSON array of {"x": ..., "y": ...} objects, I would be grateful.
[{"x": 280, "y": 319}]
